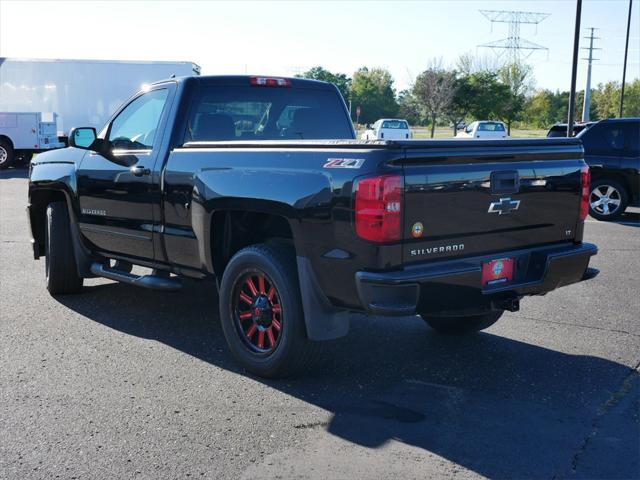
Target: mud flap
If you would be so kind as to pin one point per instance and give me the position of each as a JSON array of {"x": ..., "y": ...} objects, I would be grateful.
[{"x": 323, "y": 321}]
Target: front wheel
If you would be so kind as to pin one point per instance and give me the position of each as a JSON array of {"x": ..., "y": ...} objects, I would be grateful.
[
  {"x": 462, "y": 325},
  {"x": 261, "y": 312}
]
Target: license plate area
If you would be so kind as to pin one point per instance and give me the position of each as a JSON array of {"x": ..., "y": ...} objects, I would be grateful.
[{"x": 497, "y": 272}]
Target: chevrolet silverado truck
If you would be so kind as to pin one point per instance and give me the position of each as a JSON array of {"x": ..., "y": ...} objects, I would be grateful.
[{"x": 260, "y": 184}]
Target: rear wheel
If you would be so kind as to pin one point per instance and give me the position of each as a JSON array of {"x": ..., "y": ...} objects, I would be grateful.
[
  {"x": 6, "y": 154},
  {"x": 462, "y": 325},
  {"x": 608, "y": 199},
  {"x": 261, "y": 312},
  {"x": 60, "y": 263}
]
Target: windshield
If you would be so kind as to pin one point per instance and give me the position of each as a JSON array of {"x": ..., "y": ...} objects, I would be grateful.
[{"x": 259, "y": 113}]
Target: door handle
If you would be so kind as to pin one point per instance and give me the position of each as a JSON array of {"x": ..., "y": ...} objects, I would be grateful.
[
  {"x": 505, "y": 182},
  {"x": 139, "y": 170}
]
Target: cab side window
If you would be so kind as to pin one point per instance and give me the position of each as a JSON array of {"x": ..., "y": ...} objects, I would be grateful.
[
  {"x": 135, "y": 127},
  {"x": 614, "y": 137}
]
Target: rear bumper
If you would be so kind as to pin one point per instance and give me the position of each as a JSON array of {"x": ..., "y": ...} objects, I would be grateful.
[{"x": 455, "y": 286}]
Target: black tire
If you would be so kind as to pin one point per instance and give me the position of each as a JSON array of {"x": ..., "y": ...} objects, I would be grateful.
[
  {"x": 60, "y": 263},
  {"x": 616, "y": 195},
  {"x": 292, "y": 352},
  {"x": 462, "y": 325},
  {"x": 7, "y": 156},
  {"x": 23, "y": 158}
]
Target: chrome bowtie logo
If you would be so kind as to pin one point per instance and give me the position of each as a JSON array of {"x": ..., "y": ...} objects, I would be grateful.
[{"x": 504, "y": 206}]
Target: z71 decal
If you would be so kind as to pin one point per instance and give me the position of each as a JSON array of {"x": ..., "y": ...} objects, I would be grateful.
[{"x": 344, "y": 163}]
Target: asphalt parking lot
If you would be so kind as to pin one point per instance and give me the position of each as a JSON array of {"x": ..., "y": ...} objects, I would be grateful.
[{"x": 120, "y": 382}]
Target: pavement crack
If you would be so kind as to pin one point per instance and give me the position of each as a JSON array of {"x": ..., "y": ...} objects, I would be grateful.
[
  {"x": 311, "y": 425},
  {"x": 590, "y": 327},
  {"x": 614, "y": 399}
]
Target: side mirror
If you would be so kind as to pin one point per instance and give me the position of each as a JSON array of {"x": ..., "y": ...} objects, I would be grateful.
[{"x": 83, "y": 137}]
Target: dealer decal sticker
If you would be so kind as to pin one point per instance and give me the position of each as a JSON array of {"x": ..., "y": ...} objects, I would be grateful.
[{"x": 344, "y": 162}]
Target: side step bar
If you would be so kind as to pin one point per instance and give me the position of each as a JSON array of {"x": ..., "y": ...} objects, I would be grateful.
[{"x": 156, "y": 282}]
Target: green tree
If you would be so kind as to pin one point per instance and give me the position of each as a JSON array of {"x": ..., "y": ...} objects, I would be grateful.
[
  {"x": 632, "y": 99},
  {"x": 340, "y": 80},
  {"x": 489, "y": 95},
  {"x": 372, "y": 91},
  {"x": 518, "y": 77},
  {"x": 539, "y": 109},
  {"x": 409, "y": 108},
  {"x": 434, "y": 90},
  {"x": 607, "y": 99},
  {"x": 463, "y": 101}
]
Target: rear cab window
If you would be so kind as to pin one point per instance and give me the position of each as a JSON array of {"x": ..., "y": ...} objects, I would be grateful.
[
  {"x": 235, "y": 112},
  {"x": 395, "y": 124},
  {"x": 491, "y": 127}
]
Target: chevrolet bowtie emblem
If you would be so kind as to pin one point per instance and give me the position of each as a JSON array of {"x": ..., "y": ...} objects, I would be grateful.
[{"x": 504, "y": 206}]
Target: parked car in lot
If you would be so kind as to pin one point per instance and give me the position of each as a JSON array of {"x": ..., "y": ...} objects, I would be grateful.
[
  {"x": 259, "y": 183},
  {"x": 612, "y": 151},
  {"x": 483, "y": 129},
  {"x": 388, "y": 129},
  {"x": 560, "y": 129}
]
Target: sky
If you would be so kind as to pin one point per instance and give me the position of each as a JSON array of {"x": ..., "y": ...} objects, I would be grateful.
[{"x": 289, "y": 37}]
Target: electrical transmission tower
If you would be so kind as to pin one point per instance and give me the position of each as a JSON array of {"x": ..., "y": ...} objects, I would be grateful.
[
  {"x": 587, "y": 90},
  {"x": 515, "y": 46}
]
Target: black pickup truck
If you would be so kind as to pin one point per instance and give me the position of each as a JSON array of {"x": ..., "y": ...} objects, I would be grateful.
[{"x": 259, "y": 183}]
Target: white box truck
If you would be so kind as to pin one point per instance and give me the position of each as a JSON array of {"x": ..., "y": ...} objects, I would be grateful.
[
  {"x": 77, "y": 93},
  {"x": 24, "y": 133}
]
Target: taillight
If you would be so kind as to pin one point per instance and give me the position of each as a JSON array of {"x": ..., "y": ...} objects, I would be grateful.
[
  {"x": 270, "y": 82},
  {"x": 585, "y": 181},
  {"x": 378, "y": 208}
]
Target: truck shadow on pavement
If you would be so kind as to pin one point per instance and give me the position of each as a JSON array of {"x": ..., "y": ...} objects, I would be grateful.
[
  {"x": 18, "y": 172},
  {"x": 494, "y": 405}
]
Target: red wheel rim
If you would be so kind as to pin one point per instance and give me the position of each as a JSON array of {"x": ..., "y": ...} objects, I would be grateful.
[{"x": 257, "y": 312}]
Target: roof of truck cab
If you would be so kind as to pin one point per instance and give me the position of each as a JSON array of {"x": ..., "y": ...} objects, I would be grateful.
[
  {"x": 620, "y": 120},
  {"x": 243, "y": 80}
]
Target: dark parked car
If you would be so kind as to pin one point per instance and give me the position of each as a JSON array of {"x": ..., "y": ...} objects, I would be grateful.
[
  {"x": 612, "y": 151},
  {"x": 260, "y": 184}
]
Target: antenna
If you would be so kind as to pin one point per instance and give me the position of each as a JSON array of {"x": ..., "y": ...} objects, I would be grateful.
[{"x": 515, "y": 46}]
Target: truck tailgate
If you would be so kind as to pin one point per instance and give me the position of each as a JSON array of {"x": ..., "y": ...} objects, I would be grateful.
[{"x": 475, "y": 197}]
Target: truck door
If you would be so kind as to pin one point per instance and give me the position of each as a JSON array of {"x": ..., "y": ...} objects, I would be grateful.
[{"x": 120, "y": 196}]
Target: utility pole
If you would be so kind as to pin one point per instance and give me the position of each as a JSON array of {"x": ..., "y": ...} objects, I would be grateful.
[
  {"x": 587, "y": 91},
  {"x": 624, "y": 68},
  {"x": 574, "y": 69}
]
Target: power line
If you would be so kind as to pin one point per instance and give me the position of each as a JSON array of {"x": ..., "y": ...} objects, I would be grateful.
[
  {"x": 514, "y": 45},
  {"x": 587, "y": 90}
]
